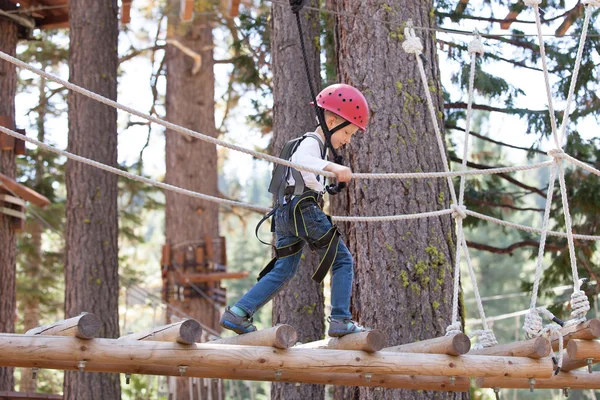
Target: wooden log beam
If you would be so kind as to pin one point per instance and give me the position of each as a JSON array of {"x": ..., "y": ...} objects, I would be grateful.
[
  {"x": 581, "y": 349},
  {"x": 588, "y": 330},
  {"x": 573, "y": 380},
  {"x": 24, "y": 348},
  {"x": 570, "y": 364},
  {"x": 370, "y": 341},
  {"x": 280, "y": 336},
  {"x": 212, "y": 276},
  {"x": 187, "y": 331},
  {"x": 533, "y": 348},
  {"x": 439, "y": 383},
  {"x": 83, "y": 326},
  {"x": 453, "y": 345}
]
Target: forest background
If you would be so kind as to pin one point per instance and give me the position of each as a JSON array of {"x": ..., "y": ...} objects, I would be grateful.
[{"x": 510, "y": 128}]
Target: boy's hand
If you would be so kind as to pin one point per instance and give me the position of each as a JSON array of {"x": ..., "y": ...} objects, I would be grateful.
[{"x": 342, "y": 173}]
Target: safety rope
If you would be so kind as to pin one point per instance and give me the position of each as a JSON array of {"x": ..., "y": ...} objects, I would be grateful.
[
  {"x": 579, "y": 302},
  {"x": 413, "y": 45}
]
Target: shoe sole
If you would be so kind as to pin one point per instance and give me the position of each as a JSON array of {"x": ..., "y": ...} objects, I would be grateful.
[
  {"x": 341, "y": 333},
  {"x": 233, "y": 327}
]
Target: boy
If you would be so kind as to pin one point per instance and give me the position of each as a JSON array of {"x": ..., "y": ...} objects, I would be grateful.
[{"x": 299, "y": 218}]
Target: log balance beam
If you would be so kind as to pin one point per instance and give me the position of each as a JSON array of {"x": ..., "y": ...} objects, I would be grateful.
[
  {"x": 438, "y": 383},
  {"x": 572, "y": 380},
  {"x": 22, "y": 350}
]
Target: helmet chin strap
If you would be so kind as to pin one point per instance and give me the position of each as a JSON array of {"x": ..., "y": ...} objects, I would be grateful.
[{"x": 337, "y": 158}]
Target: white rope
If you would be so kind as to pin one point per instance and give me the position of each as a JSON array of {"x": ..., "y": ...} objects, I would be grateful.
[
  {"x": 580, "y": 306},
  {"x": 579, "y": 302},
  {"x": 485, "y": 337},
  {"x": 535, "y": 4},
  {"x": 567, "y": 112},
  {"x": 545, "y": 221},
  {"x": 528, "y": 228},
  {"x": 206, "y": 197},
  {"x": 459, "y": 212},
  {"x": 266, "y": 157}
]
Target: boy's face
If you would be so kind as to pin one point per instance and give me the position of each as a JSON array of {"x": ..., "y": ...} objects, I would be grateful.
[{"x": 343, "y": 136}]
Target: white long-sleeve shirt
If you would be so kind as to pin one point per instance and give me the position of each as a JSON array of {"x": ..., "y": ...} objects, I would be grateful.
[{"x": 308, "y": 153}]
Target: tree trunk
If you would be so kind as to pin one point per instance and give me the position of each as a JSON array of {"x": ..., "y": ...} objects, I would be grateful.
[
  {"x": 8, "y": 240},
  {"x": 33, "y": 261},
  {"x": 300, "y": 304},
  {"x": 403, "y": 270},
  {"x": 91, "y": 269},
  {"x": 191, "y": 163}
]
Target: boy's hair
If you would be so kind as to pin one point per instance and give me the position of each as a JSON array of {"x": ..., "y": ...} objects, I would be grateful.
[{"x": 332, "y": 114}]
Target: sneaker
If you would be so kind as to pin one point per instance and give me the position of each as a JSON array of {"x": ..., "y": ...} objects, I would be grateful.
[
  {"x": 343, "y": 327},
  {"x": 233, "y": 322}
]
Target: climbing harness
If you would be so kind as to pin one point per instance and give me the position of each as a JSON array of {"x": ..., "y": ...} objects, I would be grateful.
[{"x": 326, "y": 245}]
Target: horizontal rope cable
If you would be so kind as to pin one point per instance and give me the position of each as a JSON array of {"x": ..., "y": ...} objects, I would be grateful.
[
  {"x": 277, "y": 160},
  {"x": 527, "y": 228},
  {"x": 206, "y": 197}
]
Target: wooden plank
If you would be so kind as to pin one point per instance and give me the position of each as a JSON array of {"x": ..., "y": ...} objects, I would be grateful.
[
  {"x": 83, "y": 326},
  {"x": 24, "y": 192},
  {"x": 126, "y": 12},
  {"x": 572, "y": 380},
  {"x": 187, "y": 331},
  {"x": 351, "y": 379},
  {"x": 18, "y": 349},
  {"x": 7, "y": 142},
  {"x": 6, "y": 198},
  {"x": 235, "y": 8},
  {"x": 370, "y": 341},
  {"x": 454, "y": 345},
  {"x": 280, "y": 336},
  {"x": 533, "y": 348},
  {"x": 11, "y": 212},
  {"x": 186, "y": 11},
  {"x": 20, "y": 148},
  {"x": 212, "y": 276}
]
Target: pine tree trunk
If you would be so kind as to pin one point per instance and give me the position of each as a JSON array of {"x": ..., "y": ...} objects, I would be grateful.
[
  {"x": 403, "y": 270},
  {"x": 33, "y": 263},
  {"x": 31, "y": 303},
  {"x": 300, "y": 304},
  {"x": 191, "y": 163},
  {"x": 91, "y": 269},
  {"x": 8, "y": 240}
]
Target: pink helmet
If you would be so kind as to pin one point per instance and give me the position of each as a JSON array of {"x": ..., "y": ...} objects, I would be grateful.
[{"x": 347, "y": 102}]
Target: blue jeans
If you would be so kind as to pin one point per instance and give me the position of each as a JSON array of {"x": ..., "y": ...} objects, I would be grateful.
[{"x": 284, "y": 270}]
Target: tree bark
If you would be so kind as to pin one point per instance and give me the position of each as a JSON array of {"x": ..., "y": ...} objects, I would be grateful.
[
  {"x": 403, "y": 270},
  {"x": 8, "y": 167},
  {"x": 191, "y": 163},
  {"x": 301, "y": 303},
  {"x": 91, "y": 268}
]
